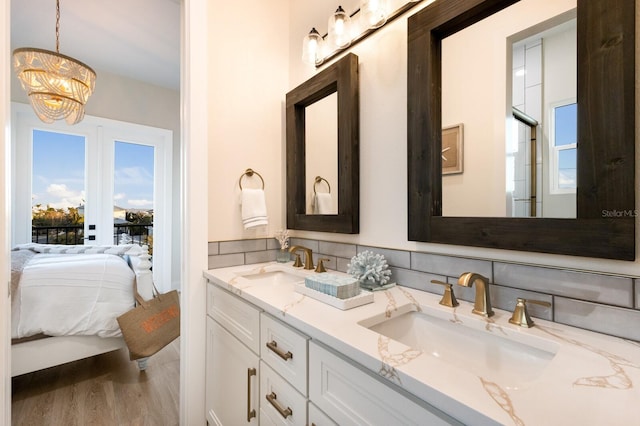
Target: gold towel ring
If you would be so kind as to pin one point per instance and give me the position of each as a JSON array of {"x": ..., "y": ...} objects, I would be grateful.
[
  {"x": 249, "y": 172},
  {"x": 318, "y": 180}
]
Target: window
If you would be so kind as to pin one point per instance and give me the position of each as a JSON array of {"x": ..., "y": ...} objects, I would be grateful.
[
  {"x": 133, "y": 193},
  {"x": 57, "y": 188},
  {"x": 563, "y": 152},
  {"x": 100, "y": 173}
]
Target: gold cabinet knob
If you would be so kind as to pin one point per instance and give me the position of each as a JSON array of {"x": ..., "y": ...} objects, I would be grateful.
[{"x": 521, "y": 315}]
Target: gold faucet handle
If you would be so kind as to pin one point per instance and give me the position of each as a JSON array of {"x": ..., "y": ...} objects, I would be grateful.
[
  {"x": 297, "y": 263},
  {"x": 448, "y": 297},
  {"x": 320, "y": 267},
  {"x": 521, "y": 315}
]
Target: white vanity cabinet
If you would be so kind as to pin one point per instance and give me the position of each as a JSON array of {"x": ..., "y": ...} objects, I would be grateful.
[
  {"x": 232, "y": 379},
  {"x": 261, "y": 370},
  {"x": 351, "y": 396},
  {"x": 232, "y": 360}
]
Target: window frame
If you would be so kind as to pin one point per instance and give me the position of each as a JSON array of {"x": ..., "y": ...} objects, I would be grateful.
[{"x": 554, "y": 151}]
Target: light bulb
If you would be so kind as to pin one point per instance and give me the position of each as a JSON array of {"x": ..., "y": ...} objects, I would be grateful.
[
  {"x": 312, "y": 48},
  {"x": 374, "y": 12},
  {"x": 339, "y": 35}
]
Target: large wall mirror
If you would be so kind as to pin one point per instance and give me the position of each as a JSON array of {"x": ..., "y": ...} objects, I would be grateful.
[
  {"x": 544, "y": 90},
  {"x": 323, "y": 116}
]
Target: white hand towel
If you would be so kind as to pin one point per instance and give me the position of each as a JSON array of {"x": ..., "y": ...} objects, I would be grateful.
[
  {"x": 254, "y": 208},
  {"x": 323, "y": 203}
]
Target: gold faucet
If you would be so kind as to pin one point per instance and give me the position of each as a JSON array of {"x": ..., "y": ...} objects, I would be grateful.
[
  {"x": 308, "y": 255},
  {"x": 482, "y": 305}
]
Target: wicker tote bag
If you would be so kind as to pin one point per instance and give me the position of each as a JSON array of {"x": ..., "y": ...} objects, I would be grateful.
[{"x": 152, "y": 324}]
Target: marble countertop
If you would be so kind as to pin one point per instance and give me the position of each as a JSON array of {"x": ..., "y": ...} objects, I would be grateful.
[{"x": 591, "y": 378}]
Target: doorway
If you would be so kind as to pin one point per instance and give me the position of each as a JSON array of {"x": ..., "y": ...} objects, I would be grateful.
[{"x": 100, "y": 182}]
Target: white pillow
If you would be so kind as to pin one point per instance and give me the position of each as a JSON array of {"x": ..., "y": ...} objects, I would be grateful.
[{"x": 78, "y": 249}]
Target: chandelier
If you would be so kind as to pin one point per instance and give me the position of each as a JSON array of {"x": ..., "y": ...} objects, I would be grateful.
[{"x": 58, "y": 86}]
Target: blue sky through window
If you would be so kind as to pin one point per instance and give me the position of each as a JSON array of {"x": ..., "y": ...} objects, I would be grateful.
[
  {"x": 59, "y": 172},
  {"x": 566, "y": 133},
  {"x": 566, "y": 122},
  {"x": 133, "y": 182}
]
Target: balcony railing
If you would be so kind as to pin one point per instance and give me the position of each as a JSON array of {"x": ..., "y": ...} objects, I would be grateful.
[{"x": 74, "y": 234}]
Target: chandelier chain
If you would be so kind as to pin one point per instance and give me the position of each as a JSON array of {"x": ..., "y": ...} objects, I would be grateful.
[
  {"x": 58, "y": 26},
  {"x": 58, "y": 86}
]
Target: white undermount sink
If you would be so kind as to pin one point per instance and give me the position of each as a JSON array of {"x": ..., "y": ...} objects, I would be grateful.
[
  {"x": 272, "y": 275},
  {"x": 511, "y": 359}
]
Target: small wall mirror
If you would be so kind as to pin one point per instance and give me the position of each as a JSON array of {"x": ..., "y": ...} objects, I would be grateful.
[
  {"x": 599, "y": 220},
  {"x": 323, "y": 131}
]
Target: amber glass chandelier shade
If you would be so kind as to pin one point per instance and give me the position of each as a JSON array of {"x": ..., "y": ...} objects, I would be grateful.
[{"x": 58, "y": 86}]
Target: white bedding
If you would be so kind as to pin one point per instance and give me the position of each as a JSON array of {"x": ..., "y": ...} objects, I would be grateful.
[{"x": 72, "y": 294}]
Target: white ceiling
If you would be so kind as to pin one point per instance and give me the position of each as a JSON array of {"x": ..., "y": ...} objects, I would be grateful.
[{"x": 139, "y": 39}]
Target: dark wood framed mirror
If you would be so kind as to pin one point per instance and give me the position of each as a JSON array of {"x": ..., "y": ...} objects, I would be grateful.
[
  {"x": 605, "y": 222},
  {"x": 341, "y": 78}
]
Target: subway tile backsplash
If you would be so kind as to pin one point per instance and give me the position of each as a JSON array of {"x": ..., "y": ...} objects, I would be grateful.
[
  {"x": 603, "y": 303},
  {"x": 241, "y": 246},
  {"x": 597, "y": 317},
  {"x": 449, "y": 265},
  {"x": 579, "y": 285}
]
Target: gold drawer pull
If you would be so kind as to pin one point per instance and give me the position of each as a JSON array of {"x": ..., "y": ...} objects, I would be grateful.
[
  {"x": 284, "y": 412},
  {"x": 250, "y": 413},
  {"x": 274, "y": 347}
]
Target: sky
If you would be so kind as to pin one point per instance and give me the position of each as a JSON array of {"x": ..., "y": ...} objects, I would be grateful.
[
  {"x": 59, "y": 172},
  {"x": 566, "y": 129}
]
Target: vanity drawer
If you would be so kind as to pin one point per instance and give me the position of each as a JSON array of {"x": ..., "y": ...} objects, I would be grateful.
[
  {"x": 285, "y": 350},
  {"x": 237, "y": 316},
  {"x": 287, "y": 405},
  {"x": 318, "y": 418},
  {"x": 351, "y": 396}
]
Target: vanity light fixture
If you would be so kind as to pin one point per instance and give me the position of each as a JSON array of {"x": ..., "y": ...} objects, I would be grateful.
[
  {"x": 374, "y": 12},
  {"x": 339, "y": 34},
  {"x": 346, "y": 30},
  {"x": 312, "y": 48},
  {"x": 58, "y": 86}
]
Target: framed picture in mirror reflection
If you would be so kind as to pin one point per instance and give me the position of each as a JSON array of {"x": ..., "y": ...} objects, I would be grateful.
[{"x": 452, "y": 147}]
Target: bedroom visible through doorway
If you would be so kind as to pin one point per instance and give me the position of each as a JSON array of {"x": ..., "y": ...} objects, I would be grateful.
[{"x": 101, "y": 182}]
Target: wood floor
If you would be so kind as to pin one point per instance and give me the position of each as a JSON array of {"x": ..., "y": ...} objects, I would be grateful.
[{"x": 105, "y": 390}]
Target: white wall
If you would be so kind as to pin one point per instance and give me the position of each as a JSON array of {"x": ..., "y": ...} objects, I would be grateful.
[
  {"x": 132, "y": 101},
  {"x": 248, "y": 56},
  {"x": 5, "y": 189},
  {"x": 383, "y": 155},
  {"x": 558, "y": 90}
]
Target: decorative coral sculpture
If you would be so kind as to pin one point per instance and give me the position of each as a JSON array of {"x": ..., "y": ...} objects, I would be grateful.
[
  {"x": 283, "y": 238},
  {"x": 370, "y": 269}
]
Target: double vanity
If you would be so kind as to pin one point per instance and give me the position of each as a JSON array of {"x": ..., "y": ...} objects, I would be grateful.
[{"x": 276, "y": 356}]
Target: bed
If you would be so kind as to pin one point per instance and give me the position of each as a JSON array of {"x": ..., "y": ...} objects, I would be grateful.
[{"x": 65, "y": 301}]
